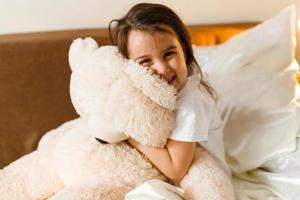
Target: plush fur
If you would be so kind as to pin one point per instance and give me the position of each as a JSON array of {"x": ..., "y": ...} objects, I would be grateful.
[{"x": 116, "y": 99}]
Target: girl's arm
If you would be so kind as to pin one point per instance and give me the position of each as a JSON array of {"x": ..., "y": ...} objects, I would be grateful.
[{"x": 173, "y": 160}]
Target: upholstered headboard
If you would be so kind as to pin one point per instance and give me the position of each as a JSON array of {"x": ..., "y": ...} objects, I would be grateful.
[{"x": 34, "y": 82}]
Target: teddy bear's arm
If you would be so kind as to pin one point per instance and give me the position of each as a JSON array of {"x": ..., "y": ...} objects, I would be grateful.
[{"x": 206, "y": 180}]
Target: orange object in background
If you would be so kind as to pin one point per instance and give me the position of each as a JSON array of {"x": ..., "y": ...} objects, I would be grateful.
[{"x": 298, "y": 77}]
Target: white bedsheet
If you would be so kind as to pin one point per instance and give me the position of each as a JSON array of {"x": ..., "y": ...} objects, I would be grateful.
[{"x": 276, "y": 179}]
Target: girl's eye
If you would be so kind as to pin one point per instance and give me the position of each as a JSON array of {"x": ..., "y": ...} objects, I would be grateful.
[
  {"x": 169, "y": 53},
  {"x": 144, "y": 61}
]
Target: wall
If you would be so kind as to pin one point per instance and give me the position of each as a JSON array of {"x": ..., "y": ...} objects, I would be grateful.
[{"x": 43, "y": 15}]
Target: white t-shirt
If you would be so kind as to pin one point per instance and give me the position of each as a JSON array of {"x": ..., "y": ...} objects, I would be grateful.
[{"x": 198, "y": 120}]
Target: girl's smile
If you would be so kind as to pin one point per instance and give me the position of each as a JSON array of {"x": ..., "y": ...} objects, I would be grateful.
[{"x": 160, "y": 51}]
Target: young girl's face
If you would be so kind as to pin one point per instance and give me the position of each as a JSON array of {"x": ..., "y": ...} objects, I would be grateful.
[{"x": 160, "y": 51}]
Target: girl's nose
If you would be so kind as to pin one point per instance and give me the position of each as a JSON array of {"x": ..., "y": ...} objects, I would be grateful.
[{"x": 162, "y": 69}]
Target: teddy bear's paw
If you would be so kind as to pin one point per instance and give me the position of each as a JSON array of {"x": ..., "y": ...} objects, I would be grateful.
[
  {"x": 210, "y": 180},
  {"x": 80, "y": 50}
]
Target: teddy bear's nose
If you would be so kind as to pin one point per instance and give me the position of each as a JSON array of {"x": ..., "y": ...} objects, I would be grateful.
[{"x": 101, "y": 141}]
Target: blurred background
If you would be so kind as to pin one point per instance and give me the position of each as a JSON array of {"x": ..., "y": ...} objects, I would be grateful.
[{"x": 18, "y": 16}]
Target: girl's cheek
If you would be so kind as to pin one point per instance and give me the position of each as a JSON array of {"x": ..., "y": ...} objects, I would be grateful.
[{"x": 175, "y": 64}]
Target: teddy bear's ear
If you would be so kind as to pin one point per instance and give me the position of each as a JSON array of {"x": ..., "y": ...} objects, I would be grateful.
[
  {"x": 151, "y": 85},
  {"x": 80, "y": 50}
]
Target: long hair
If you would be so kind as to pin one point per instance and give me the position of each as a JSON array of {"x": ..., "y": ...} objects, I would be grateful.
[{"x": 149, "y": 17}]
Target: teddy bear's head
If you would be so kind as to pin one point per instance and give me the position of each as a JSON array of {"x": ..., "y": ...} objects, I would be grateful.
[{"x": 117, "y": 97}]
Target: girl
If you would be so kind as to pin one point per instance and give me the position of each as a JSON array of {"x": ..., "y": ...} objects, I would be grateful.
[{"x": 155, "y": 37}]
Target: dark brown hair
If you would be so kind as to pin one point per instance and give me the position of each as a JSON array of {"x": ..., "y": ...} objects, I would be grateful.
[{"x": 149, "y": 17}]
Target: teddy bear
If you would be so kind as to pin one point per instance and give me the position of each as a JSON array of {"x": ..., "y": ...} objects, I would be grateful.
[{"x": 88, "y": 157}]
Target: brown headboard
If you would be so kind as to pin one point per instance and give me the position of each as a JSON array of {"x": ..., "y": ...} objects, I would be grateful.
[{"x": 34, "y": 82}]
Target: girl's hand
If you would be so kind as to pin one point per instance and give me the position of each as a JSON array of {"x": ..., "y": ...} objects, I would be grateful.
[
  {"x": 133, "y": 143},
  {"x": 174, "y": 160}
]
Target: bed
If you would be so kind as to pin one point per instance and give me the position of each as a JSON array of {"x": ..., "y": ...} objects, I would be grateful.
[
  {"x": 30, "y": 106},
  {"x": 29, "y": 62}
]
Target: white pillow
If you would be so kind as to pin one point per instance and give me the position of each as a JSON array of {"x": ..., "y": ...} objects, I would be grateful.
[{"x": 253, "y": 74}]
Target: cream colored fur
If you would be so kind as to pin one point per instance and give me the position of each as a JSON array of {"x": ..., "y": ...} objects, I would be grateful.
[{"x": 116, "y": 99}]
